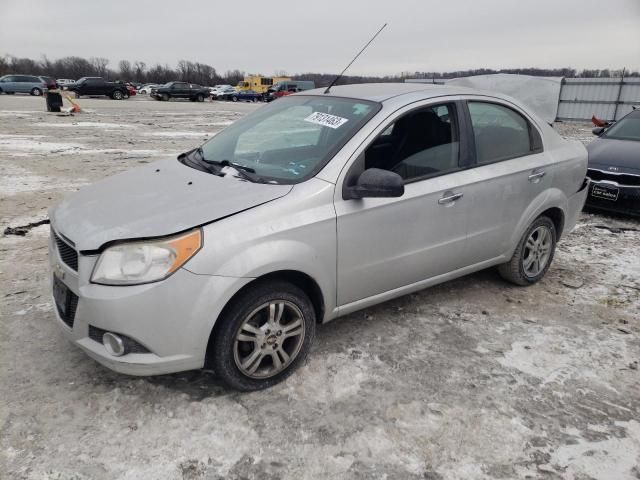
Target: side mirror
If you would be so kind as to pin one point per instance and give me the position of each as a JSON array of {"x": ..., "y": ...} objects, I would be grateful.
[
  {"x": 598, "y": 130},
  {"x": 375, "y": 182}
]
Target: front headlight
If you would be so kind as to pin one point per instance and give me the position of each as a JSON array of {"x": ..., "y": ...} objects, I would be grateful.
[{"x": 145, "y": 261}]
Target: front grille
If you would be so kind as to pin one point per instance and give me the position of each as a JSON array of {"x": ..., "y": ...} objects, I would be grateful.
[
  {"x": 67, "y": 253},
  {"x": 68, "y": 303},
  {"x": 130, "y": 345},
  {"x": 619, "y": 178}
]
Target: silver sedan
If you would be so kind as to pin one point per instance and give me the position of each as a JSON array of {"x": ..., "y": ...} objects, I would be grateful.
[{"x": 308, "y": 209}]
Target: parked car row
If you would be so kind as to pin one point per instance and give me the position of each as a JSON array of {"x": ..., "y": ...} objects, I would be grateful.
[{"x": 118, "y": 90}]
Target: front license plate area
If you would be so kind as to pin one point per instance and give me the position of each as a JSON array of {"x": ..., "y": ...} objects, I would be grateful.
[
  {"x": 60, "y": 295},
  {"x": 606, "y": 193}
]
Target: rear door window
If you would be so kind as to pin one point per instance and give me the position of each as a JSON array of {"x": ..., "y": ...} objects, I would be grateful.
[{"x": 500, "y": 133}]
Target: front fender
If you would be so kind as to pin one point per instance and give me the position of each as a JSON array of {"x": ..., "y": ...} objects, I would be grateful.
[{"x": 282, "y": 254}]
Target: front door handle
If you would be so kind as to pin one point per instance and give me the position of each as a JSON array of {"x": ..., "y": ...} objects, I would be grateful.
[
  {"x": 536, "y": 176},
  {"x": 449, "y": 197}
]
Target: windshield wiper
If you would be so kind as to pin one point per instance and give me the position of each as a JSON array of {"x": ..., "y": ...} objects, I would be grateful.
[
  {"x": 245, "y": 172},
  {"x": 195, "y": 159}
]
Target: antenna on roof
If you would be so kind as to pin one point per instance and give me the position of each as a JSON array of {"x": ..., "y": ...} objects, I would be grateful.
[{"x": 354, "y": 59}]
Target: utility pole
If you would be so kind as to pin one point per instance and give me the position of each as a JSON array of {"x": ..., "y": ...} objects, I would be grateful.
[{"x": 615, "y": 111}]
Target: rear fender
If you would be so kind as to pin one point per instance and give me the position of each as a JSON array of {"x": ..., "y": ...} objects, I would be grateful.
[{"x": 551, "y": 198}]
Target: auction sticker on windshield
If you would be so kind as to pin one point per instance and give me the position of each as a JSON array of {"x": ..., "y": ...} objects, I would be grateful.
[{"x": 326, "y": 119}]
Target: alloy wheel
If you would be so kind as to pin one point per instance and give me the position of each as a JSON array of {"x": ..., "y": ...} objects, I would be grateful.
[
  {"x": 537, "y": 251},
  {"x": 269, "y": 339}
]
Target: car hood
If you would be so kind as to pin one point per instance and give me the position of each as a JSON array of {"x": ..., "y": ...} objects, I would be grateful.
[
  {"x": 609, "y": 152},
  {"x": 158, "y": 199}
]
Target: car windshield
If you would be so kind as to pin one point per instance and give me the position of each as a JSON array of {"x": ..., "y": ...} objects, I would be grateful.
[
  {"x": 626, "y": 129},
  {"x": 290, "y": 140}
]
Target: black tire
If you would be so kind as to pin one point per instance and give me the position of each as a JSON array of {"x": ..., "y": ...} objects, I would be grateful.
[
  {"x": 117, "y": 95},
  {"x": 514, "y": 270},
  {"x": 200, "y": 97},
  {"x": 234, "y": 99},
  {"x": 36, "y": 91},
  {"x": 166, "y": 97},
  {"x": 222, "y": 346}
]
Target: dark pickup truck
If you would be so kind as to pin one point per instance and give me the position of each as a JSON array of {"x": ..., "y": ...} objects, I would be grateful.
[
  {"x": 180, "y": 90},
  {"x": 98, "y": 86}
]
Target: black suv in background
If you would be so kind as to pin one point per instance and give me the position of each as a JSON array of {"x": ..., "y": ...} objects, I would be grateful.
[
  {"x": 180, "y": 90},
  {"x": 98, "y": 86}
]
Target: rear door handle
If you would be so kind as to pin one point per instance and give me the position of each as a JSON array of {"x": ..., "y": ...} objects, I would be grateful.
[
  {"x": 449, "y": 197},
  {"x": 536, "y": 176}
]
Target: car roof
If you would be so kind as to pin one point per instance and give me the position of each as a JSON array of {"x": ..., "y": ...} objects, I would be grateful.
[{"x": 382, "y": 92}]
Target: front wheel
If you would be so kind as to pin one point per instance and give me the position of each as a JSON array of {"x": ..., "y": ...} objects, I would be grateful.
[
  {"x": 165, "y": 97},
  {"x": 263, "y": 336},
  {"x": 234, "y": 99},
  {"x": 533, "y": 255},
  {"x": 200, "y": 98}
]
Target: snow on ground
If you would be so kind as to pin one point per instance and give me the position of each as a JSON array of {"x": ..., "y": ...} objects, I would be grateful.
[
  {"x": 471, "y": 379},
  {"x": 82, "y": 125}
]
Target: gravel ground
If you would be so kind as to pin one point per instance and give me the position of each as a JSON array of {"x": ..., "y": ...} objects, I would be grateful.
[{"x": 471, "y": 379}]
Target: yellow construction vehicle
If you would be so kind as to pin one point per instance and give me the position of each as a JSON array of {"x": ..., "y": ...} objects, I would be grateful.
[{"x": 258, "y": 83}]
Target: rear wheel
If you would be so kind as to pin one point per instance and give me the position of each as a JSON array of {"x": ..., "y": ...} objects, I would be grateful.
[
  {"x": 263, "y": 336},
  {"x": 117, "y": 95},
  {"x": 534, "y": 254},
  {"x": 200, "y": 97},
  {"x": 36, "y": 91}
]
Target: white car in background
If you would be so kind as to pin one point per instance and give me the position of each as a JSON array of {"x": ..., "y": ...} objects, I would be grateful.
[
  {"x": 146, "y": 90},
  {"x": 65, "y": 81},
  {"x": 220, "y": 90}
]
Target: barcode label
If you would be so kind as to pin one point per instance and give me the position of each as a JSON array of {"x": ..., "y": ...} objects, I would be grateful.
[{"x": 326, "y": 120}]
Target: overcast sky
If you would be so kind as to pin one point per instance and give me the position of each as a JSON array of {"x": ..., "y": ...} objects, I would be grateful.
[{"x": 322, "y": 35}]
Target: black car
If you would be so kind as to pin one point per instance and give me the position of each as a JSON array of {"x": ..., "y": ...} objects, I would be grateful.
[
  {"x": 98, "y": 86},
  {"x": 614, "y": 166},
  {"x": 180, "y": 90}
]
